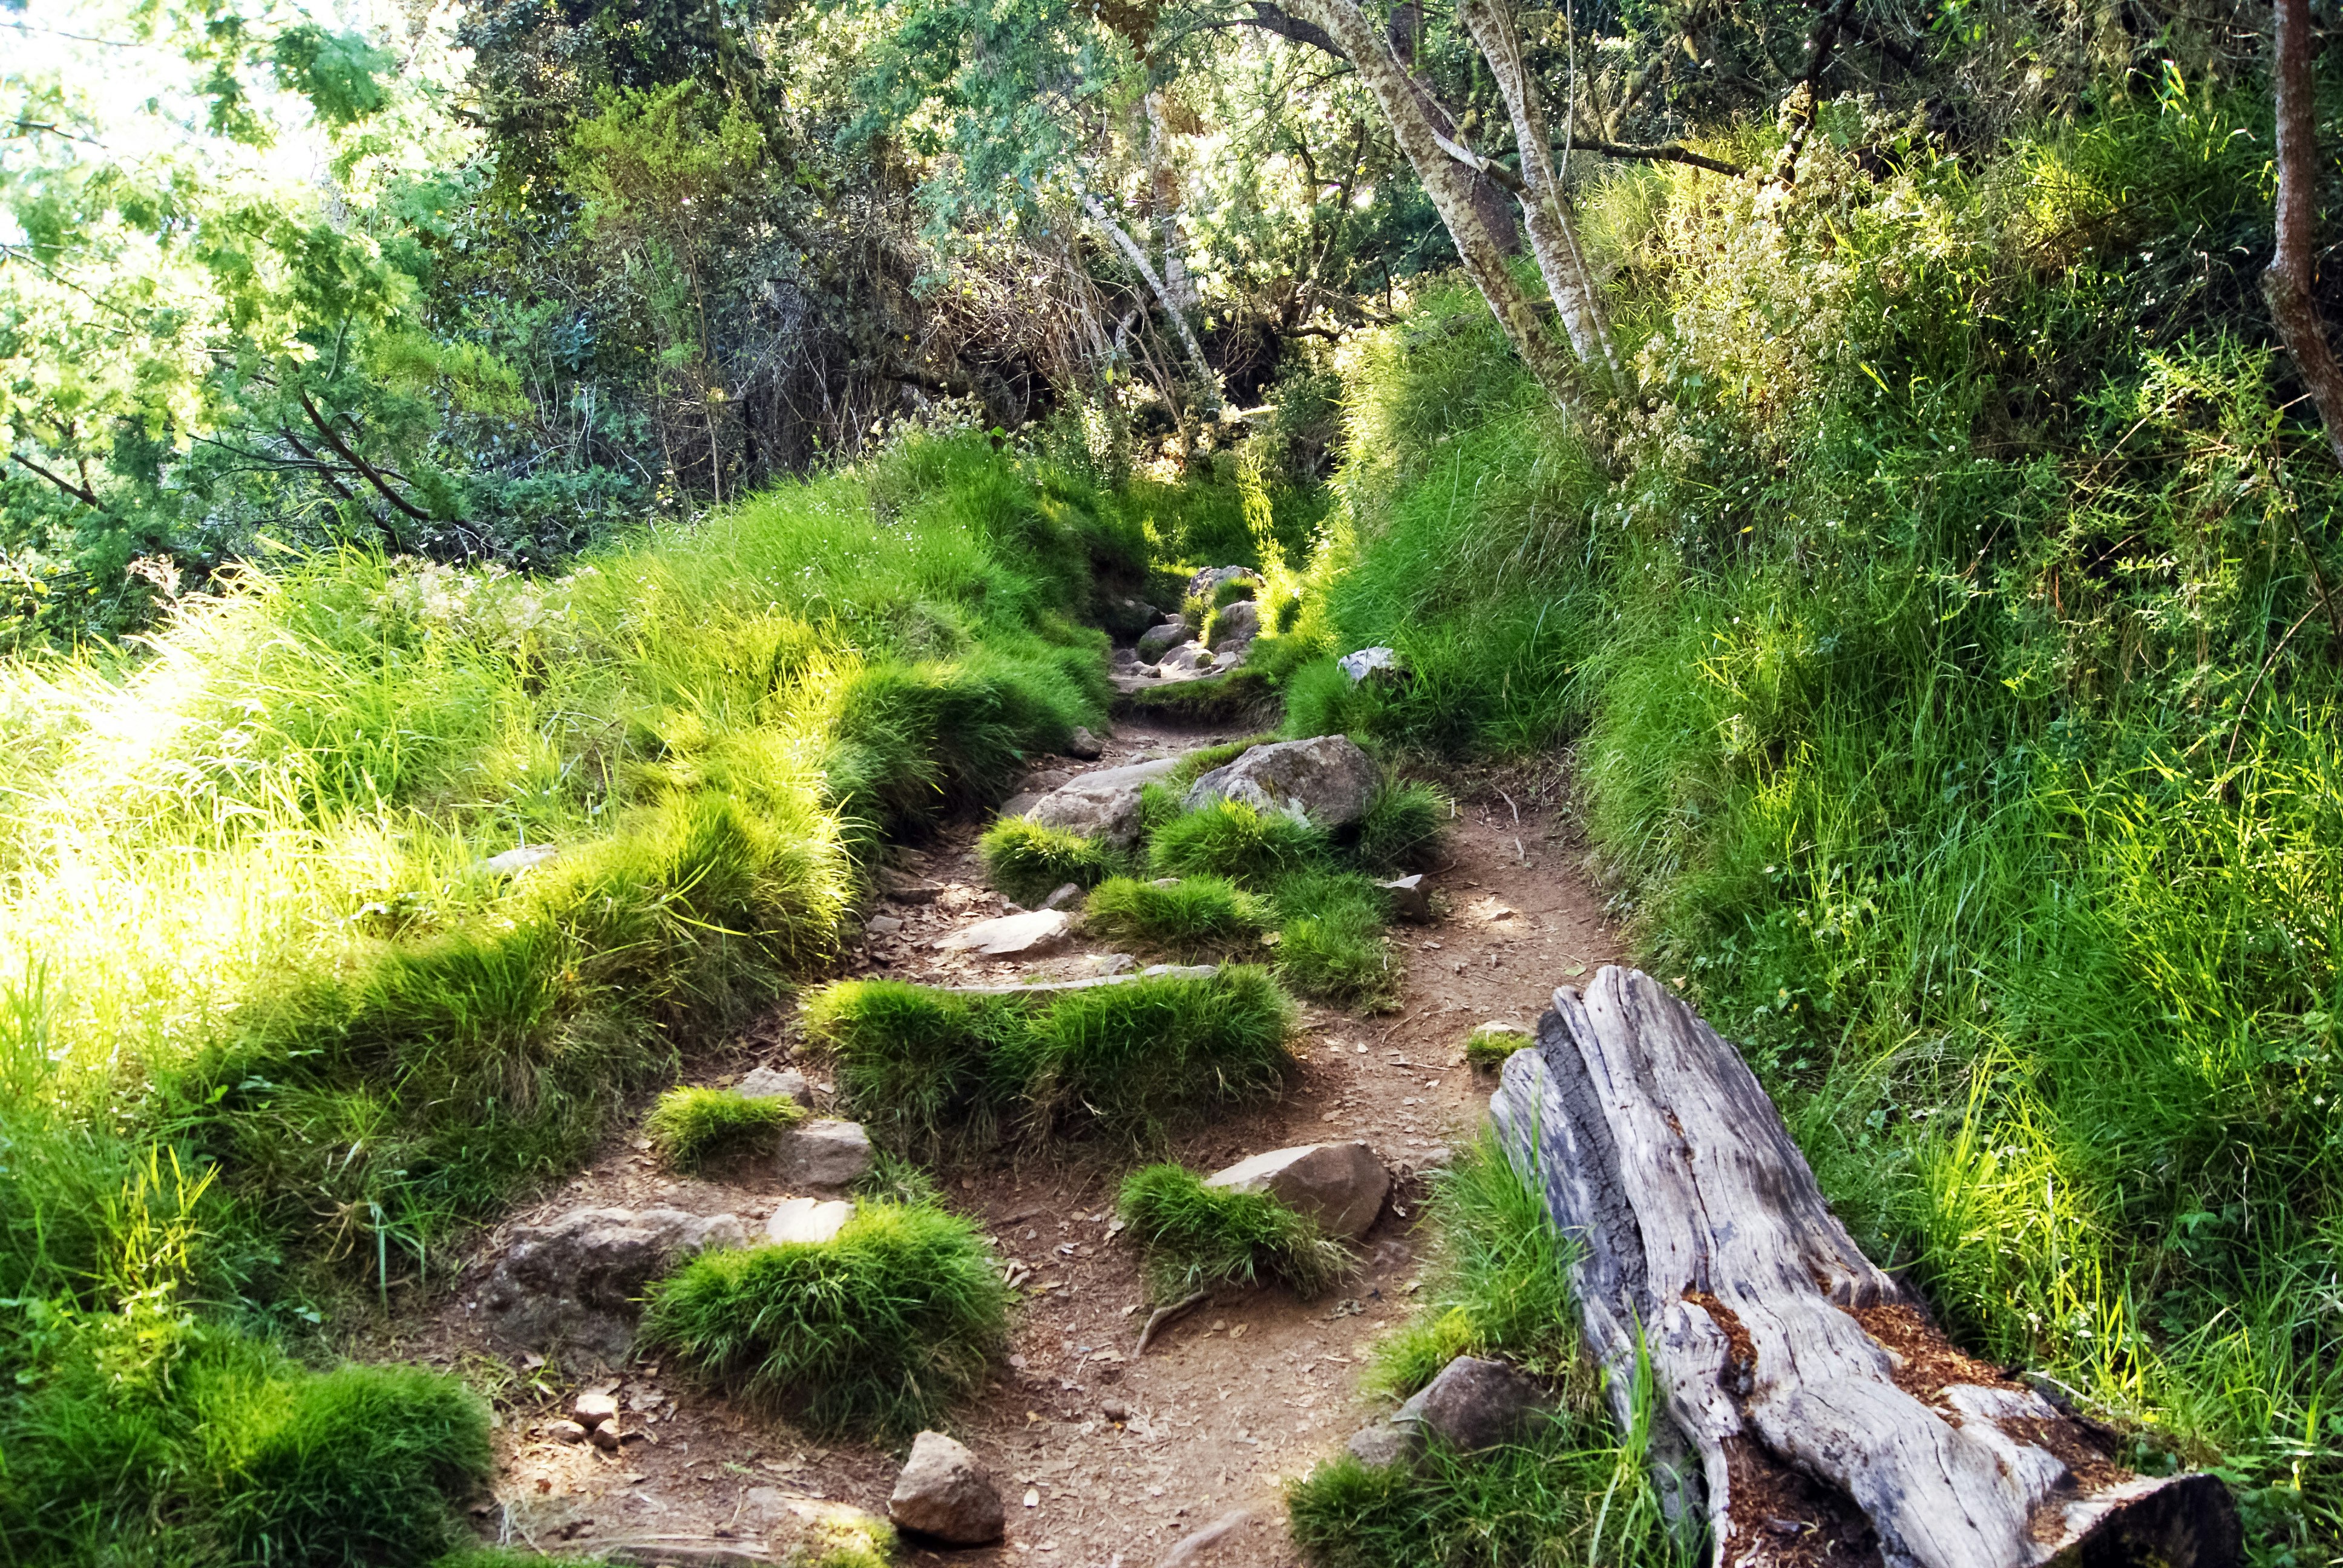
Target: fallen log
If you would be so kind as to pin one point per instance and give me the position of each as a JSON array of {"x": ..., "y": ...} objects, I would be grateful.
[{"x": 1803, "y": 1399}]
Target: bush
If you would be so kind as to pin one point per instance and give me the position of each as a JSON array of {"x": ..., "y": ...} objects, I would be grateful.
[
  {"x": 1330, "y": 939},
  {"x": 1232, "y": 841},
  {"x": 1196, "y": 917},
  {"x": 875, "y": 1332},
  {"x": 691, "y": 1126},
  {"x": 927, "y": 1069},
  {"x": 1028, "y": 861},
  {"x": 1193, "y": 1236}
]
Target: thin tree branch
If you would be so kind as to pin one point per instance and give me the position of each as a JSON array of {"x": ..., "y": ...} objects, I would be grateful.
[
  {"x": 82, "y": 493},
  {"x": 1666, "y": 153},
  {"x": 342, "y": 450},
  {"x": 1806, "y": 98}
]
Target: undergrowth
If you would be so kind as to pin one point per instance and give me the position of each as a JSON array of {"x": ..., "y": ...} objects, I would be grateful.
[
  {"x": 1193, "y": 1236},
  {"x": 691, "y": 1126},
  {"x": 1029, "y": 861},
  {"x": 1190, "y": 918}
]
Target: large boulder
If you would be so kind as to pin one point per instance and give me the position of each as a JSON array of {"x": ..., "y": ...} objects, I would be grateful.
[
  {"x": 1327, "y": 778},
  {"x": 1158, "y": 641},
  {"x": 1473, "y": 1404},
  {"x": 574, "y": 1282},
  {"x": 945, "y": 1493},
  {"x": 1102, "y": 804},
  {"x": 1236, "y": 625},
  {"x": 822, "y": 1156},
  {"x": 1206, "y": 582},
  {"x": 1340, "y": 1185}
]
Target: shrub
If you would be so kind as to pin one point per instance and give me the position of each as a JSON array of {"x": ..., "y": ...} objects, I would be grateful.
[
  {"x": 1500, "y": 1281},
  {"x": 1231, "y": 839},
  {"x": 1404, "y": 828},
  {"x": 1193, "y": 918},
  {"x": 874, "y": 1334},
  {"x": 1330, "y": 939},
  {"x": 1193, "y": 1236},
  {"x": 1028, "y": 861},
  {"x": 689, "y": 1125},
  {"x": 928, "y": 1068}
]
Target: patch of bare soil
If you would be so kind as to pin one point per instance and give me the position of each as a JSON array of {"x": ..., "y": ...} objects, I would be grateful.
[{"x": 1105, "y": 1459}]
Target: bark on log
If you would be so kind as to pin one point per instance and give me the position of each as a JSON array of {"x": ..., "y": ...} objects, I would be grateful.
[{"x": 1831, "y": 1420}]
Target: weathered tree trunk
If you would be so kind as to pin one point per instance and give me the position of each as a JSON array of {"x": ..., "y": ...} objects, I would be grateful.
[
  {"x": 1546, "y": 206},
  {"x": 1832, "y": 1420},
  {"x": 2286, "y": 282},
  {"x": 1208, "y": 385},
  {"x": 1450, "y": 184}
]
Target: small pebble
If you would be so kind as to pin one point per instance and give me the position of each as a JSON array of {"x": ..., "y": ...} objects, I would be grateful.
[{"x": 1032, "y": 1497}]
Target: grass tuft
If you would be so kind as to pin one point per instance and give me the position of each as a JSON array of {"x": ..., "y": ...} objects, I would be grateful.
[
  {"x": 874, "y": 1334},
  {"x": 1193, "y": 1236},
  {"x": 691, "y": 1126},
  {"x": 1331, "y": 944},
  {"x": 1489, "y": 1044},
  {"x": 1028, "y": 861},
  {"x": 1193, "y": 918},
  {"x": 1404, "y": 829},
  {"x": 1231, "y": 839}
]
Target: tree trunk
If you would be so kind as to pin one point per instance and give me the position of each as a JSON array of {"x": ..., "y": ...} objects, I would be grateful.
[
  {"x": 1546, "y": 207},
  {"x": 1208, "y": 383},
  {"x": 2286, "y": 283},
  {"x": 1450, "y": 184},
  {"x": 1832, "y": 1420},
  {"x": 1163, "y": 200}
]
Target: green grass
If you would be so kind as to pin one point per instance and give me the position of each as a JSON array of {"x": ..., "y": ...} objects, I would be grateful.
[
  {"x": 1193, "y": 918},
  {"x": 691, "y": 1126},
  {"x": 1193, "y": 1236},
  {"x": 934, "y": 1072},
  {"x": 875, "y": 1334},
  {"x": 1404, "y": 828},
  {"x": 1330, "y": 939},
  {"x": 1028, "y": 861},
  {"x": 1489, "y": 1045},
  {"x": 1232, "y": 841}
]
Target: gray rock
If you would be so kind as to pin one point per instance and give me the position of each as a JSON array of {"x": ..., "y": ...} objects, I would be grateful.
[
  {"x": 905, "y": 890},
  {"x": 771, "y": 1083},
  {"x": 1065, "y": 893},
  {"x": 1236, "y": 625},
  {"x": 823, "y": 1156},
  {"x": 1179, "y": 971},
  {"x": 1385, "y": 1442},
  {"x": 1188, "y": 658},
  {"x": 1024, "y": 800},
  {"x": 1010, "y": 936},
  {"x": 1473, "y": 1403},
  {"x": 1380, "y": 663},
  {"x": 575, "y": 1281},
  {"x": 1207, "y": 580},
  {"x": 1327, "y": 777},
  {"x": 1085, "y": 745},
  {"x": 1158, "y": 641},
  {"x": 1101, "y": 805},
  {"x": 1409, "y": 901},
  {"x": 806, "y": 1221},
  {"x": 884, "y": 925},
  {"x": 945, "y": 1493},
  {"x": 1340, "y": 1185},
  {"x": 594, "y": 1407},
  {"x": 524, "y": 858}
]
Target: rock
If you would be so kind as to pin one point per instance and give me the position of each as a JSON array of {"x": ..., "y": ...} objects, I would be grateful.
[
  {"x": 905, "y": 890},
  {"x": 1189, "y": 659},
  {"x": 1383, "y": 1443},
  {"x": 575, "y": 1280},
  {"x": 1327, "y": 777},
  {"x": 1158, "y": 641},
  {"x": 1473, "y": 1403},
  {"x": 823, "y": 1156},
  {"x": 806, "y": 1221},
  {"x": 883, "y": 925},
  {"x": 1179, "y": 971},
  {"x": 524, "y": 858},
  {"x": 1010, "y": 936},
  {"x": 1024, "y": 800},
  {"x": 1124, "y": 617},
  {"x": 945, "y": 1493},
  {"x": 1340, "y": 1185},
  {"x": 1370, "y": 662},
  {"x": 1064, "y": 894},
  {"x": 565, "y": 1431},
  {"x": 1048, "y": 778},
  {"x": 604, "y": 1437},
  {"x": 1236, "y": 624},
  {"x": 1409, "y": 901},
  {"x": 1085, "y": 745},
  {"x": 771, "y": 1083},
  {"x": 594, "y": 1407},
  {"x": 1115, "y": 1410},
  {"x": 1106, "y": 964},
  {"x": 1207, "y": 581},
  {"x": 1101, "y": 805}
]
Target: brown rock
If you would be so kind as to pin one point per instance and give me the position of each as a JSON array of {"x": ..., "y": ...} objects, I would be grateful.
[{"x": 945, "y": 1493}]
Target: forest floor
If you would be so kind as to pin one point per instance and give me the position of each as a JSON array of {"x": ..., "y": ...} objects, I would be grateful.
[{"x": 1105, "y": 1458}]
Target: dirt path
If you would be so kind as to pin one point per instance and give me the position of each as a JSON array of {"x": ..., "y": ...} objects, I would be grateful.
[{"x": 1105, "y": 1460}]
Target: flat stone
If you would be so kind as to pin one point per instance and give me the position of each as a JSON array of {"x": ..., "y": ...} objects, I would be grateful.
[
  {"x": 823, "y": 1156},
  {"x": 905, "y": 890},
  {"x": 1340, "y": 1185},
  {"x": 1024, "y": 800},
  {"x": 1473, "y": 1403},
  {"x": 1103, "y": 804},
  {"x": 884, "y": 925},
  {"x": 591, "y": 1408},
  {"x": 575, "y": 1280},
  {"x": 1085, "y": 745},
  {"x": 1369, "y": 662},
  {"x": 771, "y": 1083},
  {"x": 945, "y": 1493},
  {"x": 1409, "y": 900},
  {"x": 806, "y": 1221},
  {"x": 1327, "y": 779},
  {"x": 1188, "y": 658},
  {"x": 523, "y": 858},
  {"x": 1010, "y": 936},
  {"x": 1179, "y": 971}
]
